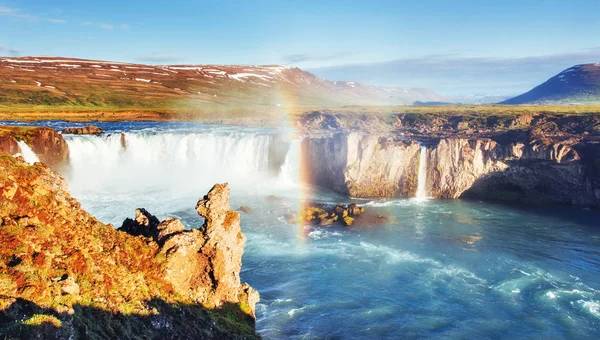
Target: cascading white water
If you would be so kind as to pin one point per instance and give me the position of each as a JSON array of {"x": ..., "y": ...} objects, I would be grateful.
[
  {"x": 422, "y": 177},
  {"x": 26, "y": 152},
  {"x": 290, "y": 170},
  {"x": 167, "y": 160},
  {"x": 165, "y": 171}
]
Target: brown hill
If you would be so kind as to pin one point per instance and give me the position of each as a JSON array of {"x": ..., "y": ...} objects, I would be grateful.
[{"x": 89, "y": 83}]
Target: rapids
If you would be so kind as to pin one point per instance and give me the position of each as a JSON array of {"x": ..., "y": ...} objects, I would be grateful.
[{"x": 435, "y": 268}]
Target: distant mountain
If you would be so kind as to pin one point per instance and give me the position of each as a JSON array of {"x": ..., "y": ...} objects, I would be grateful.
[
  {"x": 474, "y": 99},
  {"x": 91, "y": 83},
  {"x": 578, "y": 84}
]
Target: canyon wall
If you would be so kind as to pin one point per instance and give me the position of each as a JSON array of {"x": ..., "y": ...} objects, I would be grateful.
[
  {"x": 361, "y": 165},
  {"x": 530, "y": 171}
]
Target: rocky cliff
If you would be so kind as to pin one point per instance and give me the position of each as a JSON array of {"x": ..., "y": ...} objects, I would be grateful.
[
  {"x": 361, "y": 165},
  {"x": 519, "y": 171},
  {"x": 505, "y": 167},
  {"x": 65, "y": 275},
  {"x": 48, "y": 144}
]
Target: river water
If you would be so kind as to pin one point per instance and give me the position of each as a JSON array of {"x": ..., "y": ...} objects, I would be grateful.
[{"x": 433, "y": 268}]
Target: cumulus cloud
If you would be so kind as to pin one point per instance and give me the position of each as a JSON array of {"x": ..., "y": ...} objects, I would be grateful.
[{"x": 451, "y": 74}]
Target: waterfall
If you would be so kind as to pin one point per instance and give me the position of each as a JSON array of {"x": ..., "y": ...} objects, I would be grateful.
[
  {"x": 174, "y": 161},
  {"x": 422, "y": 178},
  {"x": 26, "y": 152}
]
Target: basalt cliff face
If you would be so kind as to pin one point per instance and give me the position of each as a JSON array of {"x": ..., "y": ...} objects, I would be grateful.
[
  {"x": 507, "y": 167},
  {"x": 65, "y": 275}
]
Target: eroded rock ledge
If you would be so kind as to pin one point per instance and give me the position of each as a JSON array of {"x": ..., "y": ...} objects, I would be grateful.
[{"x": 64, "y": 274}]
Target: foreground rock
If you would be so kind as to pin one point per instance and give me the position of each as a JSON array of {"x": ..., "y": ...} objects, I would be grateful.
[
  {"x": 64, "y": 274},
  {"x": 47, "y": 144},
  {"x": 86, "y": 130},
  {"x": 203, "y": 264}
]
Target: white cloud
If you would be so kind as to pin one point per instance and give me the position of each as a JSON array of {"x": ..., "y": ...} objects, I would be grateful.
[
  {"x": 57, "y": 21},
  {"x": 457, "y": 75},
  {"x": 16, "y": 13}
]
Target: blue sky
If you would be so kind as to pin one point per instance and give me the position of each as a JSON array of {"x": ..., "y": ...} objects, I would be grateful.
[{"x": 453, "y": 47}]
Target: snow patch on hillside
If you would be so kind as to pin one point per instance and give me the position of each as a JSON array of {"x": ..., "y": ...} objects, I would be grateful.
[{"x": 241, "y": 76}]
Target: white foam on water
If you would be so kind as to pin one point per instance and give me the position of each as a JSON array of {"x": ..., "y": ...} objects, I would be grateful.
[
  {"x": 591, "y": 306},
  {"x": 27, "y": 154},
  {"x": 394, "y": 255}
]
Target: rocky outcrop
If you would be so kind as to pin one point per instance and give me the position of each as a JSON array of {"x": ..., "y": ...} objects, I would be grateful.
[
  {"x": 327, "y": 215},
  {"x": 202, "y": 264},
  {"x": 361, "y": 165},
  {"x": 64, "y": 274},
  {"x": 9, "y": 145},
  {"x": 86, "y": 130},
  {"x": 48, "y": 145}
]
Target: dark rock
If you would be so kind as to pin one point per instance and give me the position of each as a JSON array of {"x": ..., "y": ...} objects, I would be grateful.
[
  {"x": 245, "y": 209},
  {"x": 87, "y": 130},
  {"x": 144, "y": 224},
  {"x": 325, "y": 215}
]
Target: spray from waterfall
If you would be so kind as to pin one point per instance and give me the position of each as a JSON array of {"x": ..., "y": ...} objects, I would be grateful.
[
  {"x": 26, "y": 152},
  {"x": 422, "y": 178},
  {"x": 290, "y": 169}
]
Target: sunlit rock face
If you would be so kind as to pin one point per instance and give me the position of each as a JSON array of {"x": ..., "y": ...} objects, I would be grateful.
[
  {"x": 203, "y": 263},
  {"x": 531, "y": 170},
  {"x": 362, "y": 165},
  {"x": 46, "y": 143}
]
